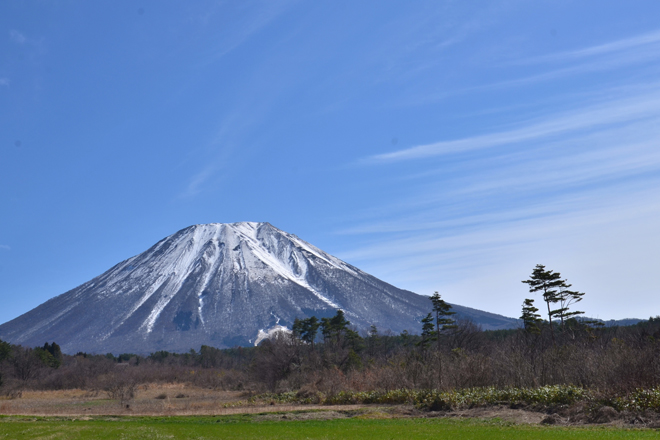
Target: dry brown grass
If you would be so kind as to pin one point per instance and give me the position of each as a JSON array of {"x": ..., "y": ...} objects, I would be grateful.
[
  {"x": 148, "y": 402},
  {"x": 84, "y": 402}
]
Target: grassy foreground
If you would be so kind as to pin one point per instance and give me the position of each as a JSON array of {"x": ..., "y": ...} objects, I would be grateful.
[{"x": 249, "y": 427}]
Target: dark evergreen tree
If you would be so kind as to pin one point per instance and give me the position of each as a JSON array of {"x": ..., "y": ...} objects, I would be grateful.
[
  {"x": 530, "y": 318},
  {"x": 56, "y": 352},
  {"x": 554, "y": 290},
  {"x": 311, "y": 328},
  {"x": 548, "y": 283},
  {"x": 372, "y": 340},
  {"x": 442, "y": 312},
  {"x": 5, "y": 354},
  {"x": 428, "y": 331},
  {"x": 333, "y": 328},
  {"x": 326, "y": 329},
  {"x": 306, "y": 329},
  {"x": 5, "y": 350},
  {"x": 566, "y": 298},
  {"x": 49, "y": 355},
  {"x": 354, "y": 340},
  {"x": 297, "y": 328}
]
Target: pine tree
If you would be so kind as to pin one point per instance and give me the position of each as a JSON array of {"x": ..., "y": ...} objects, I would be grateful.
[
  {"x": 530, "y": 318},
  {"x": 326, "y": 329},
  {"x": 5, "y": 350},
  {"x": 548, "y": 283},
  {"x": 311, "y": 329},
  {"x": 297, "y": 328},
  {"x": 442, "y": 312},
  {"x": 554, "y": 290},
  {"x": 566, "y": 298},
  {"x": 335, "y": 327},
  {"x": 306, "y": 329},
  {"x": 428, "y": 332},
  {"x": 373, "y": 340}
]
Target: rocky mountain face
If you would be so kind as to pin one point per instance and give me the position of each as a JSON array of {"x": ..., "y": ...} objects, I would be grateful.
[{"x": 220, "y": 285}]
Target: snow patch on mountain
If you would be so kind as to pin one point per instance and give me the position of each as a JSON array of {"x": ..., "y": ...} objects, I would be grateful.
[{"x": 270, "y": 333}]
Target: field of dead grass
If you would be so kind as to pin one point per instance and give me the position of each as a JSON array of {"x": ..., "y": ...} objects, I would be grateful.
[
  {"x": 173, "y": 399},
  {"x": 150, "y": 399}
]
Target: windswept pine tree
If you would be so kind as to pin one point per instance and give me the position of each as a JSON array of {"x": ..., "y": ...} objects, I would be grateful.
[
  {"x": 554, "y": 290},
  {"x": 566, "y": 298}
]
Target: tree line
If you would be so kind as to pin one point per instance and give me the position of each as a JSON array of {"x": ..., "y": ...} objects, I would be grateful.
[{"x": 330, "y": 355}]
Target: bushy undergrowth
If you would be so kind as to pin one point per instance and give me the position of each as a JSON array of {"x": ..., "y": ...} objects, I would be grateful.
[
  {"x": 547, "y": 396},
  {"x": 468, "y": 398},
  {"x": 635, "y": 401}
]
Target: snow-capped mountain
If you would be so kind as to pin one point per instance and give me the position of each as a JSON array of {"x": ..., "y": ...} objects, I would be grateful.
[{"x": 220, "y": 285}]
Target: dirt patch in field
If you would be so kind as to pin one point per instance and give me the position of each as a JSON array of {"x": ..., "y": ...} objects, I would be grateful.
[
  {"x": 519, "y": 416},
  {"x": 505, "y": 413}
]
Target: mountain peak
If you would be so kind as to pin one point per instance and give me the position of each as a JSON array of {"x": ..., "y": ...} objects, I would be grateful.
[{"x": 218, "y": 284}]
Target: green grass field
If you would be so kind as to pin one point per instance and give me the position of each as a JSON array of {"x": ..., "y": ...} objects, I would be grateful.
[{"x": 246, "y": 427}]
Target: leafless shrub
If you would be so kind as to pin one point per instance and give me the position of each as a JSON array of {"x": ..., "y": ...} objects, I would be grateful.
[{"x": 120, "y": 386}]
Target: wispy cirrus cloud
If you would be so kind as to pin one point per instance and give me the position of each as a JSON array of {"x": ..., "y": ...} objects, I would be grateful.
[
  {"x": 17, "y": 37},
  {"x": 619, "y": 55},
  {"x": 648, "y": 43},
  {"x": 198, "y": 180},
  {"x": 5, "y": 247},
  {"x": 4, "y": 82},
  {"x": 576, "y": 185},
  {"x": 242, "y": 27},
  {"x": 644, "y": 105},
  {"x": 587, "y": 234}
]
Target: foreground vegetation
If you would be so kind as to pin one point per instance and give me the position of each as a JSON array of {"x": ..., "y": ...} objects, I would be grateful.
[
  {"x": 452, "y": 364},
  {"x": 544, "y": 397},
  {"x": 612, "y": 363},
  {"x": 253, "y": 426}
]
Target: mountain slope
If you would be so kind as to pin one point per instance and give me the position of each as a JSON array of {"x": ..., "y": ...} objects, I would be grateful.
[{"x": 219, "y": 285}]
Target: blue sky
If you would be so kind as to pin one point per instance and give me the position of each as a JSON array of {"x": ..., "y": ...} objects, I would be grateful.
[{"x": 441, "y": 145}]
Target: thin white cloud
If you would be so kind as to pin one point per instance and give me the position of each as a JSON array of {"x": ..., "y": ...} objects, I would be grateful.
[
  {"x": 624, "y": 45},
  {"x": 17, "y": 37},
  {"x": 582, "y": 234},
  {"x": 4, "y": 82},
  {"x": 583, "y": 168},
  {"x": 5, "y": 247},
  {"x": 244, "y": 29},
  {"x": 595, "y": 116},
  {"x": 609, "y": 56},
  {"x": 616, "y": 55},
  {"x": 575, "y": 189},
  {"x": 197, "y": 181},
  {"x": 218, "y": 152}
]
